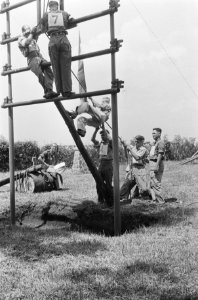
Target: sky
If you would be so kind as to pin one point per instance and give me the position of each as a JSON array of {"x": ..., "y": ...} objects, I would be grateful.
[{"x": 158, "y": 62}]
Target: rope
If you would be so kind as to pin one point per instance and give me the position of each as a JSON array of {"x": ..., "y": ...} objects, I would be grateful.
[{"x": 165, "y": 51}]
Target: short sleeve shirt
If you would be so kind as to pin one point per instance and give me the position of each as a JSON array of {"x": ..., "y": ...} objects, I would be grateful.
[
  {"x": 158, "y": 147},
  {"x": 27, "y": 50},
  {"x": 105, "y": 150},
  {"x": 142, "y": 153},
  {"x": 48, "y": 157}
]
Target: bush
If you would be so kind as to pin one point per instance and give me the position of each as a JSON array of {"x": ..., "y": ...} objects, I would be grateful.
[
  {"x": 24, "y": 151},
  {"x": 4, "y": 155}
]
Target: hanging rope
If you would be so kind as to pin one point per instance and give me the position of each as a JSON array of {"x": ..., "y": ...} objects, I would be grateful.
[{"x": 165, "y": 51}]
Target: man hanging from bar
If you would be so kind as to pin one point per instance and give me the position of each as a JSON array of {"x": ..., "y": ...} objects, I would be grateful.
[
  {"x": 99, "y": 112},
  {"x": 27, "y": 43},
  {"x": 55, "y": 23}
]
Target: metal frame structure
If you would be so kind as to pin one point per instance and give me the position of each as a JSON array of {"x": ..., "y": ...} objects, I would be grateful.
[{"x": 115, "y": 88}]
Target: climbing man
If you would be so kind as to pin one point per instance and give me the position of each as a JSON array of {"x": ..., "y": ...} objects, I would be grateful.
[
  {"x": 156, "y": 163},
  {"x": 137, "y": 173},
  {"x": 27, "y": 43},
  {"x": 99, "y": 113},
  {"x": 55, "y": 23},
  {"x": 105, "y": 167}
]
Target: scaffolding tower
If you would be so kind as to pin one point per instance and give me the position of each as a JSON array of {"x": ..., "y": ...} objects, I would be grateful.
[{"x": 115, "y": 88}]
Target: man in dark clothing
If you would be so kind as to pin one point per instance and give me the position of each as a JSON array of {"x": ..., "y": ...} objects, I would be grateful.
[
  {"x": 30, "y": 49},
  {"x": 55, "y": 23},
  {"x": 105, "y": 167}
]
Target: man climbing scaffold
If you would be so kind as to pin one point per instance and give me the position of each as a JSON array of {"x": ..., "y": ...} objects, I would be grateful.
[{"x": 28, "y": 45}]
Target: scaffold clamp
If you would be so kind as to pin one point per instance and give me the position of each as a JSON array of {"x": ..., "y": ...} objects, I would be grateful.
[
  {"x": 3, "y": 36},
  {"x": 6, "y": 100},
  {"x": 116, "y": 44},
  {"x": 117, "y": 84},
  {"x": 6, "y": 67},
  {"x": 114, "y": 4}
]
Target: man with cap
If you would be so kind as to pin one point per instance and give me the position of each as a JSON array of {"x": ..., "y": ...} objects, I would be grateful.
[
  {"x": 137, "y": 174},
  {"x": 156, "y": 164},
  {"x": 105, "y": 167},
  {"x": 55, "y": 23},
  {"x": 27, "y": 43}
]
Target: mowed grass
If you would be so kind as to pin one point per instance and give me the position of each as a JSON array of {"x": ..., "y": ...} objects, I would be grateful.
[{"x": 56, "y": 261}]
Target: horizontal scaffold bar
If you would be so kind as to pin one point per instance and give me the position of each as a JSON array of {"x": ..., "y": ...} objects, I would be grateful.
[
  {"x": 74, "y": 58},
  {"x": 75, "y": 96},
  {"x": 73, "y": 22},
  {"x": 10, "y": 7}
]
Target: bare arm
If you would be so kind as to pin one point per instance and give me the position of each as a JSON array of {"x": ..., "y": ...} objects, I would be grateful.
[{"x": 93, "y": 139}]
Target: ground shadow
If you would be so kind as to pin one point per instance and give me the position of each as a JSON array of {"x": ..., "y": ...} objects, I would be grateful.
[
  {"x": 128, "y": 283},
  {"x": 142, "y": 213},
  {"x": 29, "y": 244}
]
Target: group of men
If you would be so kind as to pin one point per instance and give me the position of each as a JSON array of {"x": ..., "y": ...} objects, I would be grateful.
[
  {"x": 55, "y": 24},
  {"x": 145, "y": 169}
]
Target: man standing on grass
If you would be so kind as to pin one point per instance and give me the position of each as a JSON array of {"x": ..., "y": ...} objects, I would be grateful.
[
  {"x": 156, "y": 163},
  {"x": 105, "y": 167}
]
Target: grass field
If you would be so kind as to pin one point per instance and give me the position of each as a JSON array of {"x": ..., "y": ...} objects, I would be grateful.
[{"x": 60, "y": 261}]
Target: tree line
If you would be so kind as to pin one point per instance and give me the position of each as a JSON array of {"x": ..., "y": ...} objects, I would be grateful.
[{"x": 177, "y": 149}]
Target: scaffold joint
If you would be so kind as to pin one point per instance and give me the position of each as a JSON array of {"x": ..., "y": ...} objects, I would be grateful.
[
  {"x": 116, "y": 44},
  {"x": 4, "y": 36},
  {"x": 6, "y": 100},
  {"x": 6, "y": 67},
  {"x": 114, "y": 4},
  {"x": 117, "y": 84}
]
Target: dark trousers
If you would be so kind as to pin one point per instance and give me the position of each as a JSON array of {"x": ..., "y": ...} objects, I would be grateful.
[
  {"x": 126, "y": 188},
  {"x": 45, "y": 76},
  {"x": 60, "y": 56},
  {"x": 106, "y": 172}
]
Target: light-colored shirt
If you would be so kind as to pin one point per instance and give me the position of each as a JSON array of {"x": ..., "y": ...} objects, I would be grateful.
[
  {"x": 28, "y": 49},
  {"x": 157, "y": 147},
  {"x": 142, "y": 154}
]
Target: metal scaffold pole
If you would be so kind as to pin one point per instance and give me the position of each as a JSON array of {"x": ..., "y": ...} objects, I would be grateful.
[
  {"x": 117, "y": 218},
  {"x": 38, "y": 4},
  {"x": 11, "y": 130}
]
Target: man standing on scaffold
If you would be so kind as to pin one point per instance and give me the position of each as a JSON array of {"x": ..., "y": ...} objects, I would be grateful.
[{"x": 55, "y": 23}]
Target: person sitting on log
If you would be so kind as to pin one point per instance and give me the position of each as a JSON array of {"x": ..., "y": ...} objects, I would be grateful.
[
  {"x": 49, "y": 159},
  {"x": 137, "y": 174},
  {"x": 105, "y": 167},
  {"x": 27, "y": 43},
  {"x": 99, "y": 113}
]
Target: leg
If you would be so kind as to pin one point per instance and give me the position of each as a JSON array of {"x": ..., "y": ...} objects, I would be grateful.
[
  {"x": 126, "y": 188},
  {"x": 82, "y": 122},
  {"x": 36, "y": 69},
  {"x": 54, "y": 57},
  {"x": 65, "y": 64}
]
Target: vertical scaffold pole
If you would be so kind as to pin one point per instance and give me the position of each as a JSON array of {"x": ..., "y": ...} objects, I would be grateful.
[
  {"x": 61, "y": 4},
  {"x": 117, "y": 219},
  {"x": 38, "y": 10},
  {"x": 11, "y": 129}
]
